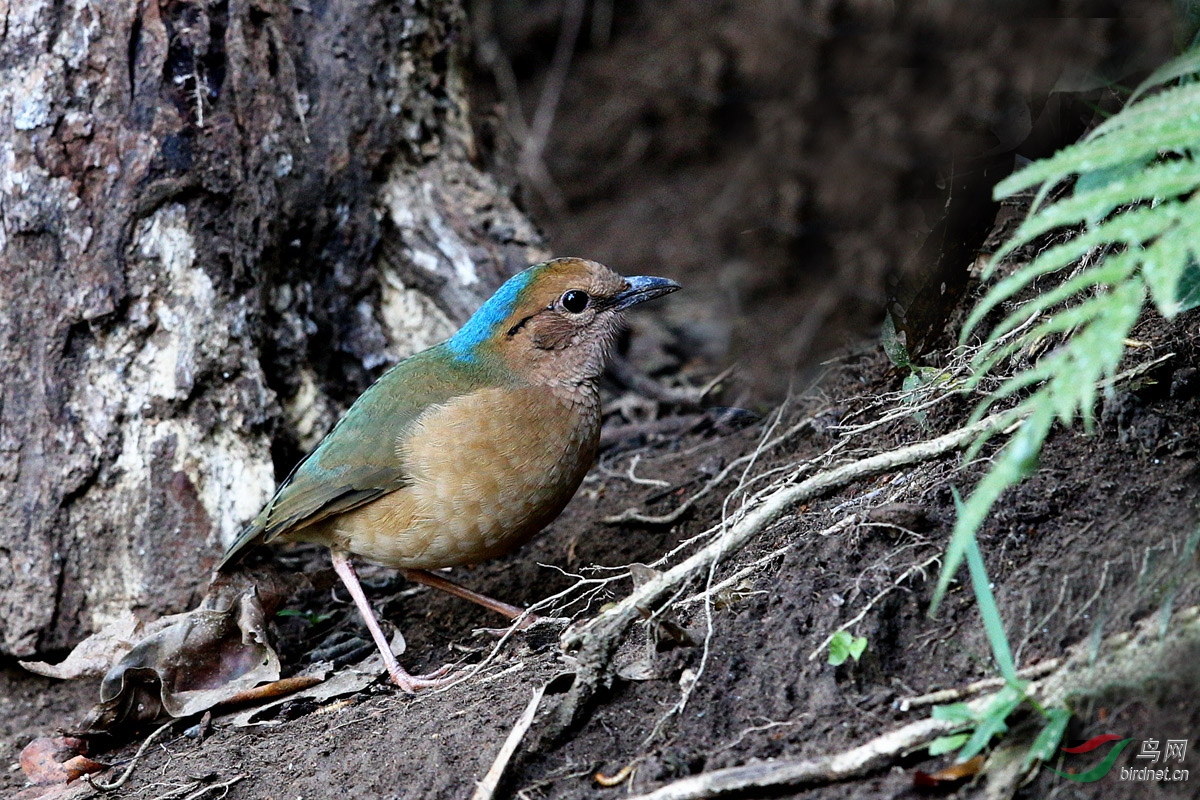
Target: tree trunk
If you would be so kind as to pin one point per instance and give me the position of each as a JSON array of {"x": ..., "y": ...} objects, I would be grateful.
[{"x": 221, "y": 220}]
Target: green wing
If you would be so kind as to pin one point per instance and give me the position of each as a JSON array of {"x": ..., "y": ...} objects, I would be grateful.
[{"x": 358, "y": 461}]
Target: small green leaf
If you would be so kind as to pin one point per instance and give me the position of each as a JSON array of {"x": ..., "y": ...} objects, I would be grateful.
[
  {"x": 992, "y": 723},
  {"x": 1045, "y": 745},
  {"x": 858, "y": 646},
  {"x": 893, "y": 343},
  {"x": 959, "y": 713},
  {"x": 1187, "y": 294},
  {"x": 839, "y": 648},
  {"x": 945, "y": 744},
  {"x": 845, "y": 645}
]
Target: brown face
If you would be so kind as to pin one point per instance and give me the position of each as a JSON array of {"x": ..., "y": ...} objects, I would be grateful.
[
  {"x": 567, "y": 305},
  {"x": 564, "y": 322}
]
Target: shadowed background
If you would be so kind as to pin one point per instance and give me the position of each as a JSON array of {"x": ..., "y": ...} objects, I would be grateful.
[{"x": 798, "y": 166}]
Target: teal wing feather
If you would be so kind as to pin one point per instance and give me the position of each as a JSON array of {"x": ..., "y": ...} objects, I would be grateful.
[{"x": 358, "y": 461}]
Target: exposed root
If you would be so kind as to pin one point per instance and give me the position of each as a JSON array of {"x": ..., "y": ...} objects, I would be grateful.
[
  {"x": 190, "y": 792},
  {"x": 1038, "y": 670},
  {"x": 487, "y": 787},
  {"x": 862, "y": 760},
  {"x": 598, "y": 640},
  {"x": 635, "y": 515},
  {"x": 1134, "y": 658},
  {"x": 119, "y": 782},
  {"x": 906, "y": 575},
  {"x": 757, "y": 518}
]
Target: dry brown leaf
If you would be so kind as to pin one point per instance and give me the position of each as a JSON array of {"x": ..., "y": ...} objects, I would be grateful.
[
  {"x": 950, "y": 775},
  {"x": 60, "y": 759},
  {"x": 95, "y": 655},
  {"x": 346, "y": 682},
  {"x": 197, "y": 660}
]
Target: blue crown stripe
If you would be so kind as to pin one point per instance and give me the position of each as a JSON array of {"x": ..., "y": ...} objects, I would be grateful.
[{"x": 483, "y": 323}]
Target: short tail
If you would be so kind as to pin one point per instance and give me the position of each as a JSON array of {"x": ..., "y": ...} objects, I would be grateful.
[{"x": 249, "y": 537}]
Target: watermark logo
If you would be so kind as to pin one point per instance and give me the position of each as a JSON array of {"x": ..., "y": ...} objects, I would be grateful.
[
  {"x": 1174, "y": 750},
  {"x": 1100, "y": 770}
]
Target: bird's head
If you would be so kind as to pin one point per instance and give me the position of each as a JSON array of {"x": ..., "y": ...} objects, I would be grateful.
[{"x": 554, "y": 322}]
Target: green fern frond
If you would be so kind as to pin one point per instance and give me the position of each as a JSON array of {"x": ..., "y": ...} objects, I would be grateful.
[
  {"x": 1169, "y": 179},
  {"x": 1134, "y": 207},
  {"x": 1186, "y": 66},
  {"x": 1170, "y": 261},
  {"x": 1128, "y": 228},
  {"x": 1159, "y": 107},
  {"x": 1113, "y": 270},
  {"x": 1137, "y": 143}
]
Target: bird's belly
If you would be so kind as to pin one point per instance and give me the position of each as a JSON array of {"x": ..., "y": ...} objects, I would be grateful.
[{"x": 487, "y": 472}]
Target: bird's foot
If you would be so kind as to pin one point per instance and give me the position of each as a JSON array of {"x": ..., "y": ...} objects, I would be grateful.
[{"x": 409, "y": 684}]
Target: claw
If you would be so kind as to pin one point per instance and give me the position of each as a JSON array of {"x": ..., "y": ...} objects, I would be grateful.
[{"x": 409, "y": 684}]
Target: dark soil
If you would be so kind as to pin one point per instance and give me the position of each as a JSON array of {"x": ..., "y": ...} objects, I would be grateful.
[
  {"x": 1085, "y": 548},
  {"x": 1088, "y": 546}
]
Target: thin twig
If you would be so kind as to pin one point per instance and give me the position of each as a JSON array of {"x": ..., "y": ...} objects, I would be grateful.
[
  {"x": 117, "y": 784},
  {"x": 756, "y": 519},
  {"x": 1127, "y": 657},
  {"x": 1038, "y": 670},
  {"x": 872, "y": 603},
  {"x": 634, "y": 515},
  {"x": 196, "y": 795},
  {"x": 487, "y": 787}
]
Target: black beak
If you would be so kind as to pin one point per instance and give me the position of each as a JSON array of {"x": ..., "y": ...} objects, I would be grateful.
[{"x": 642, "y": 288}]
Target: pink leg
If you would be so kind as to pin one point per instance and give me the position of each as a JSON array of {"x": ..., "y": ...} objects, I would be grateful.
[
  {"x": 400, "y": 677},
  {"x": 450, "y": 587}
]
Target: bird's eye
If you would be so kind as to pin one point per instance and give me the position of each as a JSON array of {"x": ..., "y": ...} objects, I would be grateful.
[{"x": 575, "y": 301}]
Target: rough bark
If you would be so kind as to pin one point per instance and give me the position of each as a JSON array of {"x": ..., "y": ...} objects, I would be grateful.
[{"x": 220, "y": 220}]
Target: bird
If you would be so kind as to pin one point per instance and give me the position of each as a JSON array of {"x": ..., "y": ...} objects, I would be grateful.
[{"x": 464, "y": 451}]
